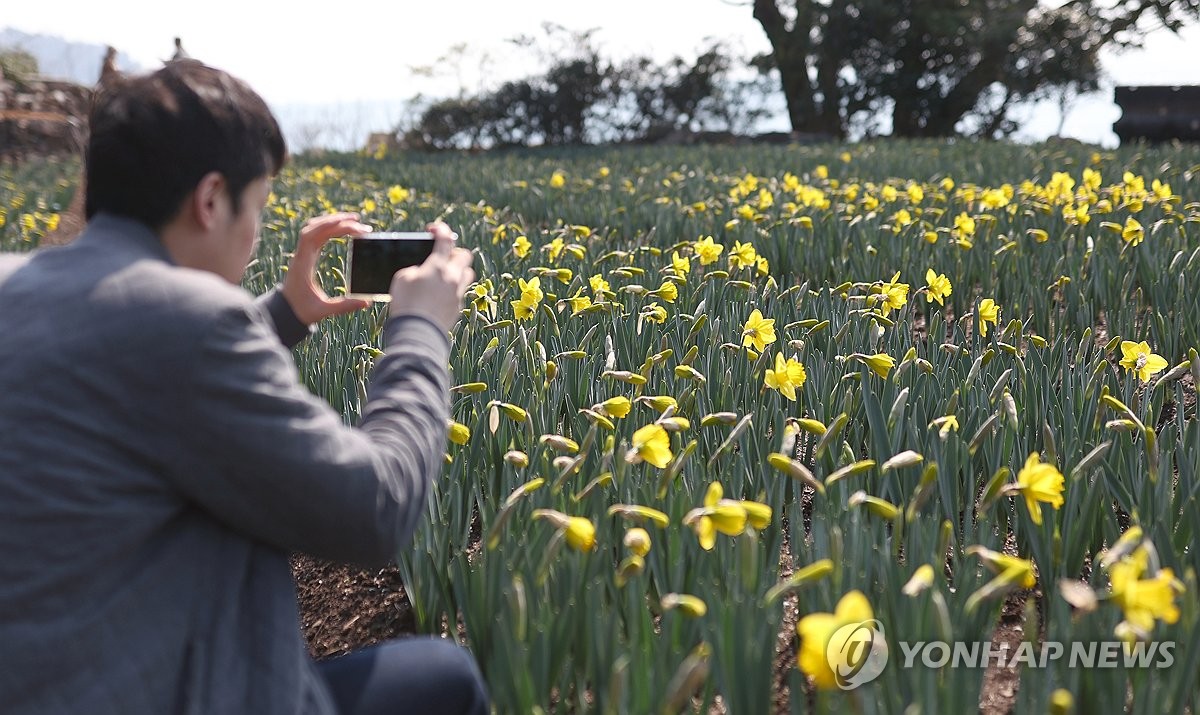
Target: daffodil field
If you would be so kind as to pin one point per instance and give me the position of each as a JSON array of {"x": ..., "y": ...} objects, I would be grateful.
[{"x": 712, "y": 404}]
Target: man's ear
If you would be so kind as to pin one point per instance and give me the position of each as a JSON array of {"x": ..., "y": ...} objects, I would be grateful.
[{"x": 206, "y": 200}]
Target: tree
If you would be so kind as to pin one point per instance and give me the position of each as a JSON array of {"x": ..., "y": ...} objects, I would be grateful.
[
  {"x": 580, "y": 98},
  {"x": 18, "y": 65},
  {"x": 941, "y": 66},
  {"x": 648, "y": 101}
]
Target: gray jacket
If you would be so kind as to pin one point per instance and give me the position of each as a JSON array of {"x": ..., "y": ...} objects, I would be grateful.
[{"x": 158, "y": 462}]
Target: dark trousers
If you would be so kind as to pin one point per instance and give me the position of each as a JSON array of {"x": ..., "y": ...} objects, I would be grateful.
[{"x": 410, "y": 675}]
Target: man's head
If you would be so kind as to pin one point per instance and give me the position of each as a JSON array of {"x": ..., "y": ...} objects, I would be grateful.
[{"x": 187, "y": 151}]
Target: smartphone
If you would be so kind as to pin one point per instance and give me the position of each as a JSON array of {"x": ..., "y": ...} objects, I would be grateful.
[{"x": 375, "y": 257}]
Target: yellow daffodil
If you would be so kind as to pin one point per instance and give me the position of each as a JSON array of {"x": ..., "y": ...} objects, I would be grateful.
[
  {"x": 816, "y": 658},
  {"x": 765, "y": 199},
  {"x": 743, "y": 255},
  {"x": 758, "y": 331},
  {"x": 681, "y": 265},
  {"x": 893, "y": 295},
  {"x": 994, "y": 199},
  {"x": 1161, "y": 191},
  {"x": 1039, "y": 482},
  {"x": 761, "y": 266},
  {"x": 989, "y": 312},
  {"x": 964, "y": 225},
  {"x": 723, "y": 515},
  {"x": 579, "y": 303},
  {"x": 1062, "y": 702},
  {"x": 707, "y": 250},
  {"x": 1144, "y": 600},
  {"x": 630, "y": 568},
  {"x": 939, "y": 287},
  {"x": 758, "y": 515},
  {"x": 652, "y": 444},
  {"x": 558, "y": 180},
  {"x": 1080, "y": 215},
  {"x": 1138, "y": 359},
  {"x": 398, "y": 194},
  {"x": 921, "y": 580},
  {"x": 667, "y": 291},
  {"x": 881, "y": 363},
  {"x": 531, "y": 290},
  {"x": 747, "y": 212},
  {"x": 787, "y": 376},
  {"x": 916, "y": 194},
  {"x": 459, "y": 433},
  {"x": 513, "y": 412},
  {"x": 580, "y": 533},
  {"x": 615, "y": 406},
  {"x": 554, "y": 249},
  {"x": 945, "y": 425},
  {"x": 480, "y": 293},
  {"x": 598, "y": 284},
  {"x": 655, "y": 313},
  {"x": 1132, "y": 231},
  {"x": 523, "y": 310},
  {"x": 1011, "y": 569}
]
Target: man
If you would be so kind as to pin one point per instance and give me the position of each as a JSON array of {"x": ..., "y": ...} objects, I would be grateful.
[
  {"x": 158, "y": 458},
  {"x": 180, "y": 53}
]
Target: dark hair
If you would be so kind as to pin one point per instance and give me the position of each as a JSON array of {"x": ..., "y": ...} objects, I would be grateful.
[{"x": 153, "y": 137}]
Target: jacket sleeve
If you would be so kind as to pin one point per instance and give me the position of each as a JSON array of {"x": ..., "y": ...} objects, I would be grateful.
[
  {"x": 267, "y": 458},
  {"x": 287, "y": 326}
]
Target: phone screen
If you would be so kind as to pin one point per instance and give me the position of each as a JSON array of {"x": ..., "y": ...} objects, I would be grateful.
[{"x": 375, "y": 258}]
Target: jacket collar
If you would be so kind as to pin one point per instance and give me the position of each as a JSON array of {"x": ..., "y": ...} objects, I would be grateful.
[{"x": 110, "y": 229}]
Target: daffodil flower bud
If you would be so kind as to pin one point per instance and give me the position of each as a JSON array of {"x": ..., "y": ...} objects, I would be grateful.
[
  {"x": 687, "y": 604},
  {"x": 637, "y": 540}
]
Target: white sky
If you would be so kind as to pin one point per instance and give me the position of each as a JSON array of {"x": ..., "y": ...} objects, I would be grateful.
[{"x": 305, "y": 56}]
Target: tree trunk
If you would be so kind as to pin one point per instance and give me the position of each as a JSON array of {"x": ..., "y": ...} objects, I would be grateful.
[{"x": 792, "y": 50}]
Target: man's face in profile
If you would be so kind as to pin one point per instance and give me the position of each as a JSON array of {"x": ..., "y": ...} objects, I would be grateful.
[{"x": 240, "y": 230}]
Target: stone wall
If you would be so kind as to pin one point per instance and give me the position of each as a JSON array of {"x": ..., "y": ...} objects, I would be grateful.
[{"x": 42, "y": 117}]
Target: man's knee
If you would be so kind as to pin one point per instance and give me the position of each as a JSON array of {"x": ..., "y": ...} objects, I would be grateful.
[{"x": 459, "y": 673}]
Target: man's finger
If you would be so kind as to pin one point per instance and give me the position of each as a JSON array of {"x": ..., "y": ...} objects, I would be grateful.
[
  {"x": 342, "y": 306},
  {"x": 310, "y": 245},
  {"x": 443, "y": 244},
  {"x": 466, "y": 279},
  {"x": 461, "y": 257}
]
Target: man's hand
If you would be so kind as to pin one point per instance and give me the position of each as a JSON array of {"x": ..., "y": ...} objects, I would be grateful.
[
  {"x": 434, "y": 289},
  {"x": 308, "y": 301}
]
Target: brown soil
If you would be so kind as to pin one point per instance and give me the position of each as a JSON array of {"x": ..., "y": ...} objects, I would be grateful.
[
  {"x": 1000, "y": 682},
  {"x": 343, "y": 608}
]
